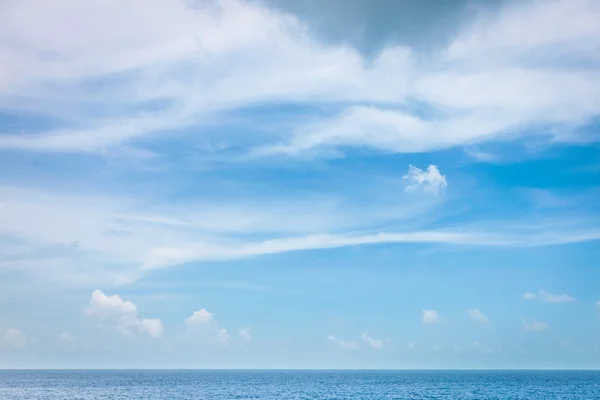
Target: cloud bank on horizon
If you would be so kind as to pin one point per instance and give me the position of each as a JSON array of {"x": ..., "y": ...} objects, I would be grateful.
[{"x": 148, "y": 148}]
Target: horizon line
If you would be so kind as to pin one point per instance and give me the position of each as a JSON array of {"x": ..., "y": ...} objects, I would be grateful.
[{"x": 310, "y": 369}]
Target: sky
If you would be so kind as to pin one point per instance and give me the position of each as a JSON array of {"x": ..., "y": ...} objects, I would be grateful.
[{"x": 284, "y": 184}]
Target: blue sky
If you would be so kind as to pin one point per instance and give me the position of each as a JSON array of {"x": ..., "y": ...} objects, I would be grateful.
[{"x": 235, "y": 184}]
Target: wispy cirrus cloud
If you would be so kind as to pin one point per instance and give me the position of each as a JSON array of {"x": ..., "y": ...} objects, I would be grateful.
[
  {"x": 159, "y": 236},
  {"x": 169, "y": 256}
]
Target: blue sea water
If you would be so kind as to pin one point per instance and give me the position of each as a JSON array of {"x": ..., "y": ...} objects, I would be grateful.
[{"x": 299, "y": 385}]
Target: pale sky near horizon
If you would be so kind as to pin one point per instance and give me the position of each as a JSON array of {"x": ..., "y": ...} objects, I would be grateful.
[{"x": 314, "y": 184}]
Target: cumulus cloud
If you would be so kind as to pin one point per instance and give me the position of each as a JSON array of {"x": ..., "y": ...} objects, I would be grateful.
[
  {"x": 430, "y": 317},
  {"x": 535, "y": 326},
  {"x": 430, "y": 180},
  {"x": 244, "y": 335},
  {"x": 478, "y": 316},
  {"x": 14, "y": 338},
  {"x": 203, "y": 327},
  {"x": 376, "y": 344},
  {"x": 344, "y": 344},
  {"x": 200, "y": 317},
  {"x": 548, "y": 297},
  {"x": 123, "y": 314}
]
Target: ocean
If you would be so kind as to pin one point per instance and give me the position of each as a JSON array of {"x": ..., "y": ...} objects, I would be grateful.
[{"x": 298, "y": 385}]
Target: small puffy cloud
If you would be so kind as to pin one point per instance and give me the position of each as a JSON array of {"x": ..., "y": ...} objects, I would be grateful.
[
  {"x": 103, "y": 306},
  {"x": 201, "y": 316},
  {"x": 478, "y": 316},
  {"x": 548, "y": 297},
  {"x": 123, "y": 314},
  {"x": 430, "y": 317},
  {"x": 14, "y": 338},
  {"x": 535, "y": 326},
  {"x": 376, "y": 344},
  {"x": 430, "y": 180},
  {"x": 598, "y": 304},
  {"x": 203, "y": 327},
  {"x": 343, "y": 343},
  {"x": 411, "y": 345},
  {"x": 244, "y": 335}
]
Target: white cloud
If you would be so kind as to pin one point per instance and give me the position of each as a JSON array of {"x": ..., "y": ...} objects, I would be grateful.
[
  {"x": 547, "y": 297},
  {"x": 429, "y": 180},
  {"x": 244, "y": 335},
  {"x": 123, "y": 314},
  {"x": 14, "y": 338},
  {"x": 411, "y": 345},
  {"x": 162, "y": 257},
  {"x": 68, "y": 239},
  {"x": 101, "y": 240},
  {"x": 204, "y": 328},
  {"x": 201, "y": 316},
  {"x": 376, "y": 344},
  {"x": 344, "y": 344},
  {"x": 535, "y": 326},
  {"x": 201, "y": 64},
  {"x": 168, "y": 256},
  {"x": 296, "y": 67},
  {"x": 478, "y": 316},
  {"x": 430, "y": 317},
  {"x": 598, "y": 304},
  {"x": 526, "y": 85}
]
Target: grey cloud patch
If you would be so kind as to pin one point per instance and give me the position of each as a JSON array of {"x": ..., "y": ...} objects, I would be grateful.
[{"x": 371, "y": 25}]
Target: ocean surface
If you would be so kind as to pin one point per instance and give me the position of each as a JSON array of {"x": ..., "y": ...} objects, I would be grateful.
[{"x": 299, "y": 385}]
